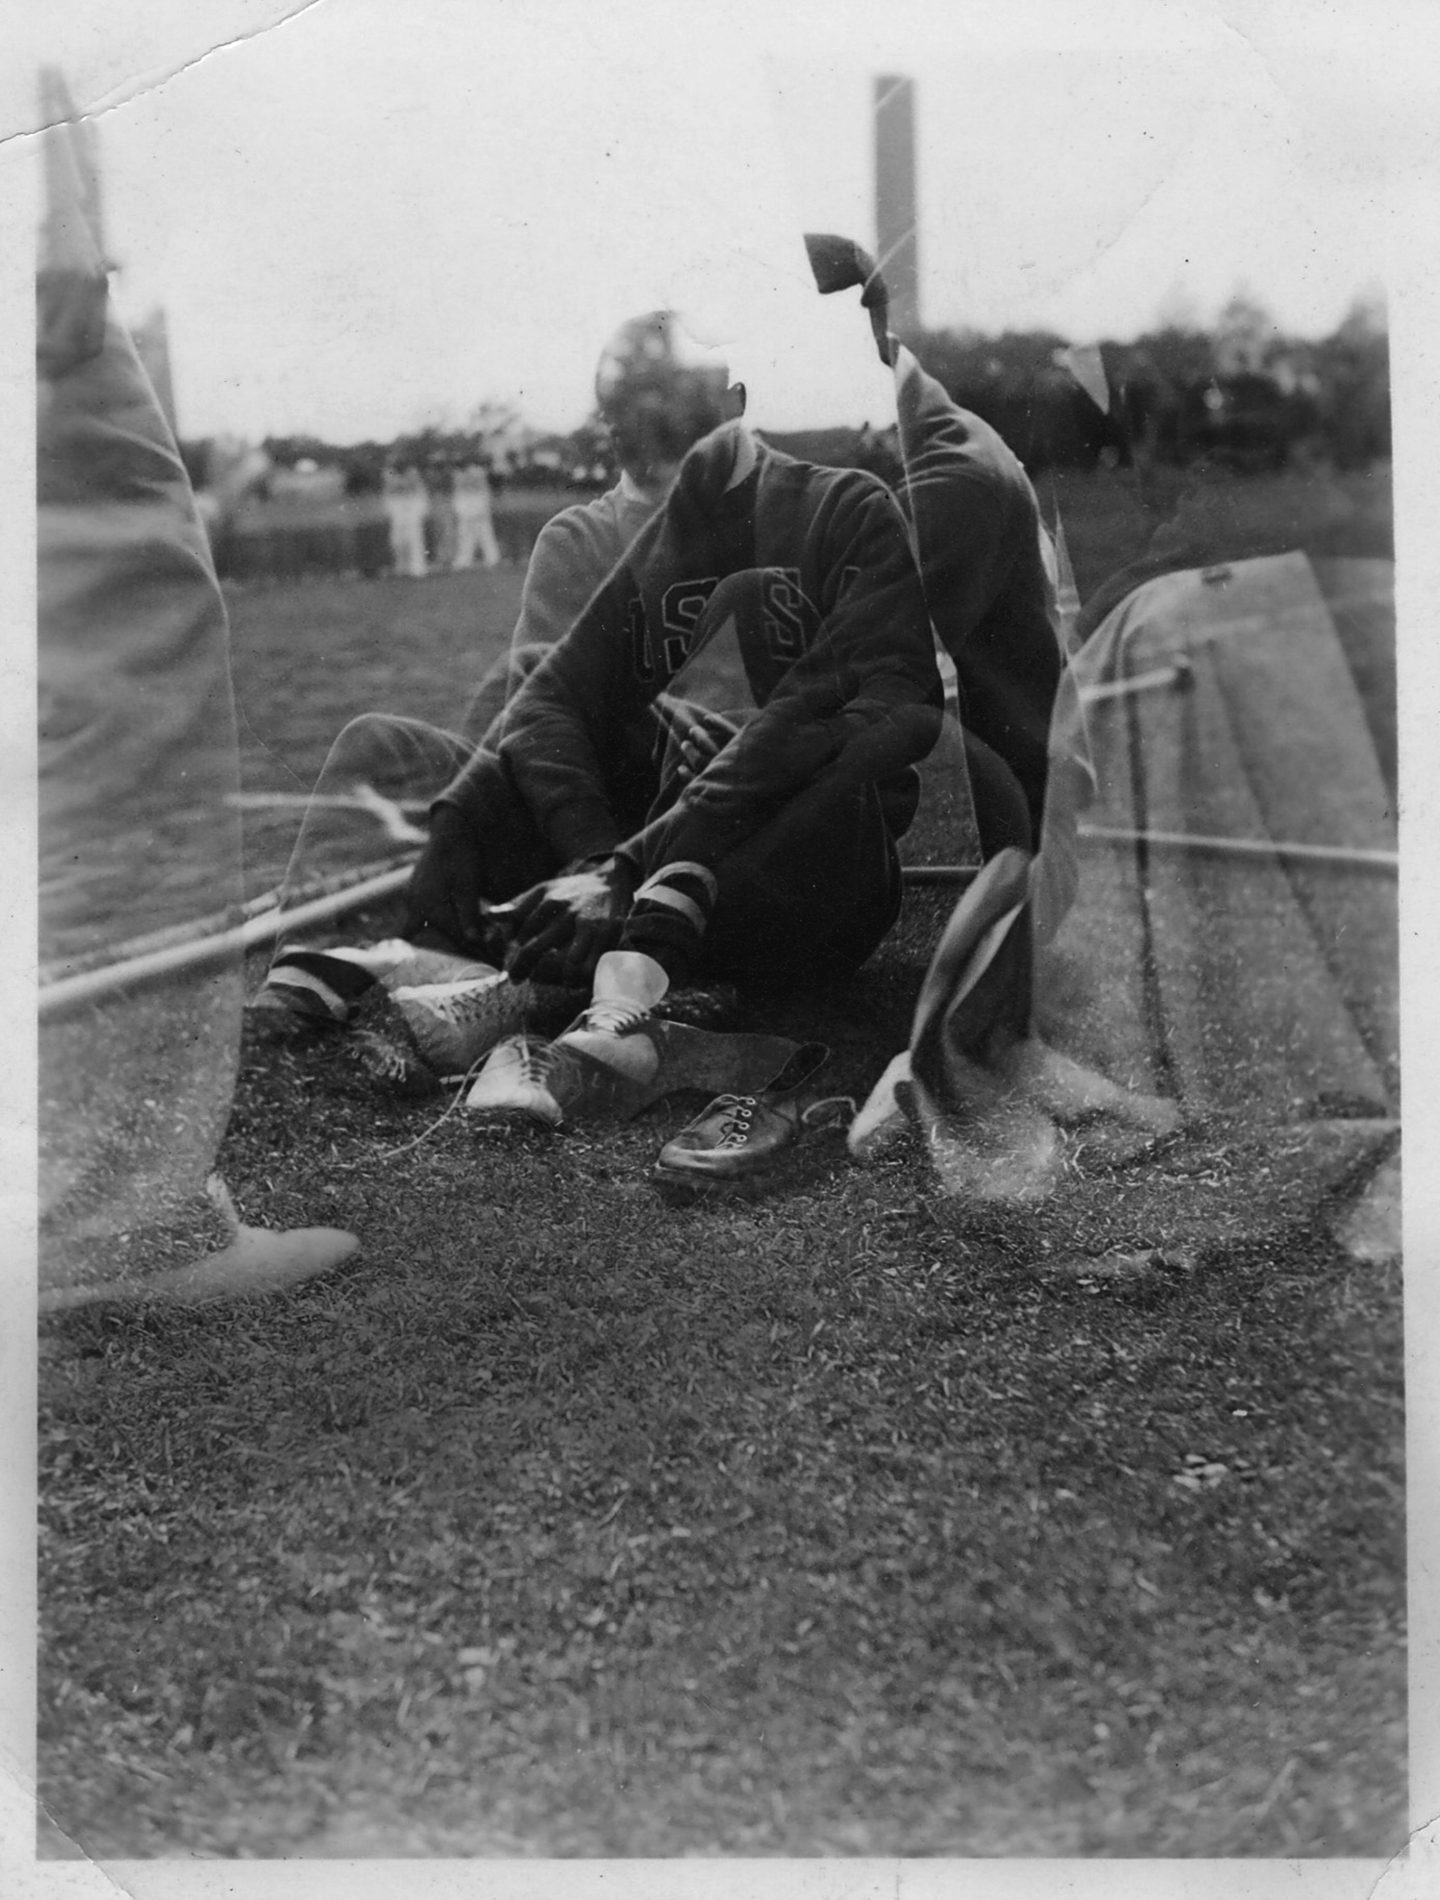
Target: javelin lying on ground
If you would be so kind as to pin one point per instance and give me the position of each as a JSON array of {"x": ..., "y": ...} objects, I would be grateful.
[
  {"x": 209, "y": 940},
  {"x": 212, "y": 939}
]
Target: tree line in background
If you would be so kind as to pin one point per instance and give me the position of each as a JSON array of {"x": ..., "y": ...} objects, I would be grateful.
[{"x": 1241, "y": 396}]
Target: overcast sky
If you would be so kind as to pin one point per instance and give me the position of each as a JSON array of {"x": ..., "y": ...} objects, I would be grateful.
[{"x": 360, "y": 215}]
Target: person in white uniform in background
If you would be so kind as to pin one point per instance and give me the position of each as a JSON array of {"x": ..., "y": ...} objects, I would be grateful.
[
  {"x": 407, "y": 503},
  {"x": 474, "y": 521}
]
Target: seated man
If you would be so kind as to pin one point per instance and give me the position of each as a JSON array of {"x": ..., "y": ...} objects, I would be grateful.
[
  {"x": 628, "y": 835},
  {"x": 612, "y": 818}
]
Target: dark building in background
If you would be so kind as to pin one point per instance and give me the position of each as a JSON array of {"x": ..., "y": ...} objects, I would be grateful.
[{"x": 895, "y": 204}]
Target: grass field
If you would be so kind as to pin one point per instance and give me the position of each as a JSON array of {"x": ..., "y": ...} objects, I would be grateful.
[{"x": 854, "y": 1520}]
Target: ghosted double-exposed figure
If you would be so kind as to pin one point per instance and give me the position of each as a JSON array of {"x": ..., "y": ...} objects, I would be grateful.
[{"x": 139, "y": 837}]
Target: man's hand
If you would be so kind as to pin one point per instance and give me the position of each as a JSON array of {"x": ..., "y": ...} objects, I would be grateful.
[
  {"x": 694, "y": 735},
  {"x": 443, "y": 896},
  {"x": 698, "y": 746},
  {"x": 565, "y": 925}
]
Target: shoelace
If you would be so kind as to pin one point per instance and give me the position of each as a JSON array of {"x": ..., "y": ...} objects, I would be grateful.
[
  {"x": 460, "y": 1008},
  {"x": 528, "y": 1052},
  {"x": 612, "y": 1018},
  {"x": 735, "y": 1129},
  {"x": 537, "y": 1059}
]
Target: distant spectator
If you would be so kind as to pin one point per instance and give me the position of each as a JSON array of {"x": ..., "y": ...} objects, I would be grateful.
[
  {"x": 440, "y": 482},
  {"x": 474, "y": 523},
  {"x": 407, "y": 503}
]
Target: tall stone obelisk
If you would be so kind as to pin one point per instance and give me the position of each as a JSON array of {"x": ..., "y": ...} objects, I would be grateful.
[{"x": 895, "y": 202}]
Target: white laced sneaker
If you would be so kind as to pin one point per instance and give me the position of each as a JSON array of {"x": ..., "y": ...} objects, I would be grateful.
[
  {"x": 454, "y": 1024},
  {"x": 628, "y": 985},
  {"x": 602, "y": 1063},
  {"x": 523, "y": 1078}
]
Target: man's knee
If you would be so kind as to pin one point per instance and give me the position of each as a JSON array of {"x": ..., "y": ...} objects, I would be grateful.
[
  {"x": 510, "y": 854},
  {"x": 808, "y": 901}
]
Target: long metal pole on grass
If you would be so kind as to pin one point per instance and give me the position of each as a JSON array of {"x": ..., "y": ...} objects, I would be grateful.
[
  {"x": 1349, "y": 857},
  {"x": 1342, "y": 857},
  {"x": 231, "y": 916},
  {"x": 197, "y": 952},
  {"x": 94, "y": 986}
]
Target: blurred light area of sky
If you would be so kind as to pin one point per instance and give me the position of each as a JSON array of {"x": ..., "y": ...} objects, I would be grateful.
[{"x": 360, "y": 216}]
